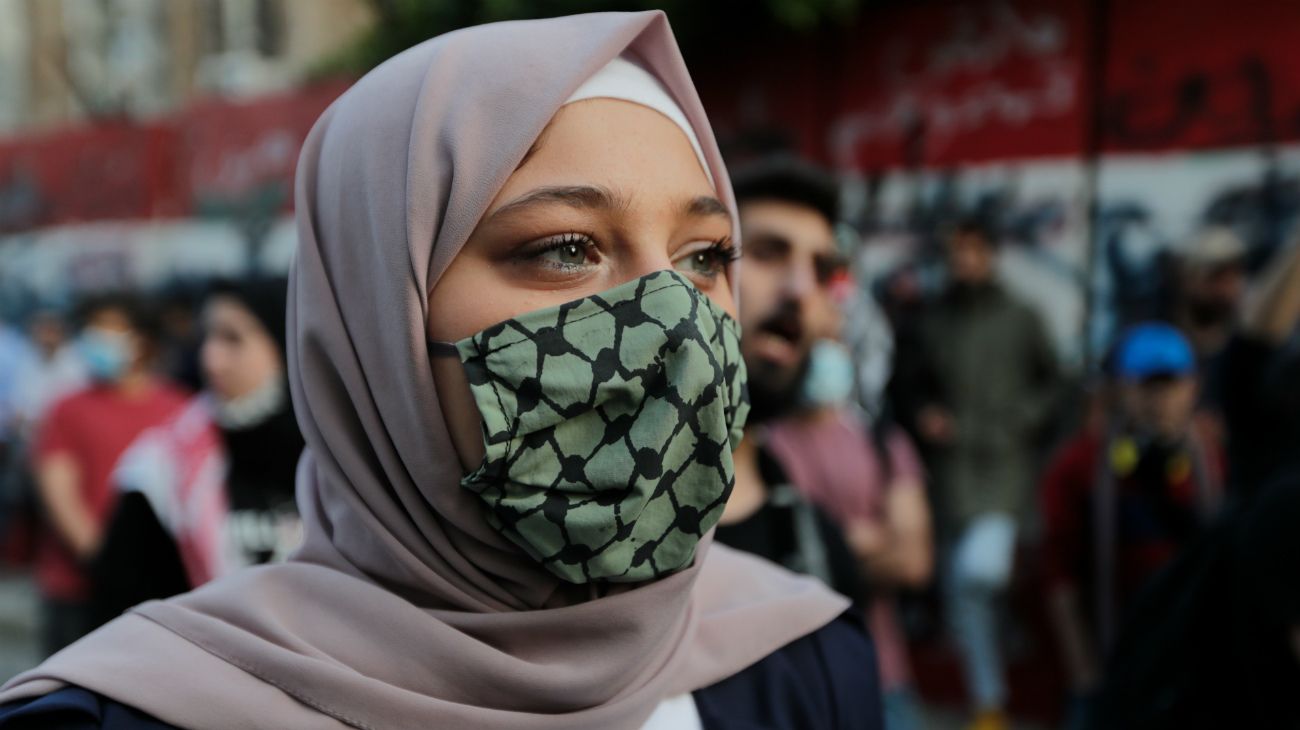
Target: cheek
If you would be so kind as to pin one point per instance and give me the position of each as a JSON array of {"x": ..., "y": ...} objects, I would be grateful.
[
  {"x": 242, "y": 371},
  {"x": 263, "y": 361},
  {"x": 722, "y": 296},
  {"x": 220, "y": 360},
  {"x": 823, "y": 318},
  {"x": 757, "y": 292},
  {"x": 1131, "y": 402},
  {"x": 472, "y": 296},
  {"x": 210, "y": 359},
  {"x": 221, "y": 368},
  {"x": 1232, "y": 289}
]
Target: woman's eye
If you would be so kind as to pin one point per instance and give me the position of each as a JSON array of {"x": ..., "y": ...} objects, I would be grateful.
[
  {"x": 569, "y": 251},
  {"x": 705, "y": 262},
  {"x": 568, "y": 254},
  {"x": 709, "y": 261}
]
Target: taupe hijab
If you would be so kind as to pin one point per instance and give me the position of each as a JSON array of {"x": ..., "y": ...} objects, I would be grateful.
[{"x": 404, "y": 608}]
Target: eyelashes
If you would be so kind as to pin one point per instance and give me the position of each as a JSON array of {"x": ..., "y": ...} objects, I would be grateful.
[
  {"x": 724, "y": 250},
  {"x": 713, "y": 260},
  {"x": 570, "y": 252},
  {"x": 566, "y": 251}
]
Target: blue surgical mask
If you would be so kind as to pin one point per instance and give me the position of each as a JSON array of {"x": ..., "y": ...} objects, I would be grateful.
[
  {"x": 107, "y": 354},
  {"x": 830, "y": 376}
]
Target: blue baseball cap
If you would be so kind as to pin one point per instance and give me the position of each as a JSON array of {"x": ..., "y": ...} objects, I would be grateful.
[{"x": 1153, "y": 349}]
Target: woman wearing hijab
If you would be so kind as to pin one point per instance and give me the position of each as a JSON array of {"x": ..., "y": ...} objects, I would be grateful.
[
  {"x": 210, "y": 490},
  {"x": 534, "y": 217},
  {"x": 243, "y": 364}
]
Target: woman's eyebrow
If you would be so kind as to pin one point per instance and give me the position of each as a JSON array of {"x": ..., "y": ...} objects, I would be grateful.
[
  {"x": 574, "y": 196},
  {"x": 706, "y": 205}
]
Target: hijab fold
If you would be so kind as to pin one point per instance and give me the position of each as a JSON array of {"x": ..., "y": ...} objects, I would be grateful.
[{"x": 404, "y": 608}]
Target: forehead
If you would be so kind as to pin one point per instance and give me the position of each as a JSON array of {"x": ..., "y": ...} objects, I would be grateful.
[
  {"x": 46, "y": 323},
  {"x": 617, "y": 144},
  {"x": 802, "y": 226},
  {"x": 109, "y": 318},
  {"x": 967, "y": 240},
  {"x": 227, "y": 306}
]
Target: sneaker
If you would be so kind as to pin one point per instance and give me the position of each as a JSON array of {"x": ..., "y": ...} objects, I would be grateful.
[{"x": 990, "y": 720}]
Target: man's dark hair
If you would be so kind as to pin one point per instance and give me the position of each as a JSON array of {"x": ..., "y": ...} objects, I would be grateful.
[
  {"x": 142, "y": 318},
  {"x": 978, "y": 226},
  {"x": 788, "y": 180}
]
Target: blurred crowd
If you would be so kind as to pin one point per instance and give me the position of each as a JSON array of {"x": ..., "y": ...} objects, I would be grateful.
[
  {"x": 148, "y": 447},
  {"x": 925, "y": 451},
  {"x": 922, "y": 450}
]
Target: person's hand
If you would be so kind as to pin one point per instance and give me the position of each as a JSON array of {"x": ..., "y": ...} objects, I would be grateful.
[
  {"x": 935, "y": 424},
  {"x": 85, "y": 545},
  {"x": 865, "y": 538}
]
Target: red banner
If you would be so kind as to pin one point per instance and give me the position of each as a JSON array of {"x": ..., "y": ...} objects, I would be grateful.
[
  {"x": 933, "y": 84},
  {"x": 1195, "y": 74},
  {"x": 108, "y": 171},
  {"x": 921, "y": 85},
  {"x": 216, "y": 152},
  {"x": 946, "y": 83},
  {"x": 963, "y": 82},
  {"x": 228, "y": 150}
]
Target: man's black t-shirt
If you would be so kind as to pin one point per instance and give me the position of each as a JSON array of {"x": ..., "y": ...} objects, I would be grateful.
[{"x": 792, "y": 532}]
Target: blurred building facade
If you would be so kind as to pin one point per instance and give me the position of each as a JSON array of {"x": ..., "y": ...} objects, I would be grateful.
[
  {"x": 69, "y": 61},
  {"x": 1160, "y": 117},
  {"x": 146, "y": 143}
]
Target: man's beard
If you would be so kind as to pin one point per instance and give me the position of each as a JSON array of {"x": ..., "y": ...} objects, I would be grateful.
[
  {"x": 774, "y": 393},
  {"x": 774, "y": 389},
  {"x": 1209, "y": 312}
]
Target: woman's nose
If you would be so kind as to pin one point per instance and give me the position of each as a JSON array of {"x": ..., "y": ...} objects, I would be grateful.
[{"x": 645, "y": 261}]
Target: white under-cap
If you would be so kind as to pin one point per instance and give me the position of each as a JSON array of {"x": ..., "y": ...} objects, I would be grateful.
[{"x": 623, "y": 79}]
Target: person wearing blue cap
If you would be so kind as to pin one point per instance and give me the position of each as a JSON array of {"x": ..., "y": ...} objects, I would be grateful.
[
  {"x": 1153, "y": 349},
  {"x": 1121, "y": 498}
]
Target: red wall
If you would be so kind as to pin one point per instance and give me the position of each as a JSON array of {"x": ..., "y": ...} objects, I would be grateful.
[
  {"x": 945, "y": 83},
  {"x": 213, "y": 151}
]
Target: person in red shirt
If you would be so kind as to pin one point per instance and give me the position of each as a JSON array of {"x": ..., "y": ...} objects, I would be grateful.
[
  {"x": 77, "y": 448},
  {"x": 1120, "y": 499}
]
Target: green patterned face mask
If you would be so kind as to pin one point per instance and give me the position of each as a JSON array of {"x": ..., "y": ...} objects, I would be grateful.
[{"x": 609, "y": 424}]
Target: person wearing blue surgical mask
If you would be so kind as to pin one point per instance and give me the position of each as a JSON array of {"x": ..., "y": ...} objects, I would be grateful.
[
  {"x": 76, "y": 448},
  {"x": 787, "y": 218},
  {"x": 108, "y": 352},
  {"x": 819, "y": 487}
]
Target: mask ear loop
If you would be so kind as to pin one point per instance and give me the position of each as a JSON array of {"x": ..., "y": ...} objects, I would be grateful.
[{"x": 443, "y": 349}]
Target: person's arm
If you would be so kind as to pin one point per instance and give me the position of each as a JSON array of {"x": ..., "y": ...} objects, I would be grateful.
[
  {"x": 1073, "y": 636},
  {"x": 1040, "y": 399},
  {"x": 899, "y": 550},
  {"x": 843, "y": 573},
  {"x": 1273, "y": 313},
  {"x": 1063, "y": 496},
  {"x": 915, "y": 388},
  {"x": 935, "y": 424},
  {"x": 58, "y": 480}
]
